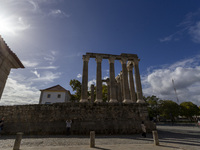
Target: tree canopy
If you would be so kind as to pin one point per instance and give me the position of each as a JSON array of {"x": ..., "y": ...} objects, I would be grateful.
[
  {"x": 76, "y": 86},
  {"x": 153, "y": 102},
  {"x": 188, "y": 109},
  {"x": 169, "y": 109}
]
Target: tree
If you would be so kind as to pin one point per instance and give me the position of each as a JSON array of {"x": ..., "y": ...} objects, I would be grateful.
[
  {"x": 168, "y": 109},
  {"x": 188, "y": 109},
  {"x": 104, "y": 92},
  {"x": 153, "y": 102},
  {"x": 76, "y": 86}
]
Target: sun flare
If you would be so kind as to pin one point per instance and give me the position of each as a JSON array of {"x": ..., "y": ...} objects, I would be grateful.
[
  {"x": 6, "y": 26},
  {"x": 11, "y": 25}
]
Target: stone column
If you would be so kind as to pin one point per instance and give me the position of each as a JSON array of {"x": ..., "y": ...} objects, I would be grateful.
[
  {"x": 112, "y": 80},
  {"x": 126, "y": 91},
  {"x": 131, "y": 81},
  {"x": 119, "y": 94},
  {"x": 116, "y": 90},
  {"x": 84, "y": 87},
  {"x": 98, "y": 80},
  {"x": 138, "y": 82},
  {"x": 122, "y": 87},
  {"x": 92, "y": 93},
  {"x": 108, "y": 86}
]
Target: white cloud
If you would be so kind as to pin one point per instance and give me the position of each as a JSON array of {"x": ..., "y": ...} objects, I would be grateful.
[
  {"x": 49, "y": 58},
  {"x": 47, "y": 76},
  {"x": 16, "y": 93},
  {"x": 91, "y": 82},
  {"x": 195, "y": 32},
  {"x": 58, "y": 13},
  {"x": 105, "y": 77},
  {"x": 165, "y": 39},
  {"x": 48, "y": 67},
  {"x": 79, "y": 75},
  {"x": 186, "y": 75},
  {"x": 36, "y": 73},
  {"x": 34, "y": 5},
  {"x": 29, "y": 63},
  {"x": 190, "y": 25}
]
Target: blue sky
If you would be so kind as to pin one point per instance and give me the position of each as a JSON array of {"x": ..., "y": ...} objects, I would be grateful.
[{"x": 50, "y": 37}]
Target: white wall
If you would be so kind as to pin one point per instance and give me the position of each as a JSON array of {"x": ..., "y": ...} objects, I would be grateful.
[{"x": 54, "y": 97}]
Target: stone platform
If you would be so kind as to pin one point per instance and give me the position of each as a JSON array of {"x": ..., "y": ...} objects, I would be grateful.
[{"x": 103, "y": 118}]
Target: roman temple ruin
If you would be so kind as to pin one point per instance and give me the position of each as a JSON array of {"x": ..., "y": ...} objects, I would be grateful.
[{"x": 120, "y": 88}]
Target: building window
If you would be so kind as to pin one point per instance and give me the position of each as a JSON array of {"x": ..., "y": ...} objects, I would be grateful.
[
  {"x": 48, "y": 95},
  {"x": 59, "y": 96}
]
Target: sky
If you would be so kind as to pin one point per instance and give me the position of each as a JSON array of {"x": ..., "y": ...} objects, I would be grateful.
[{"x": 50, "y": 37}]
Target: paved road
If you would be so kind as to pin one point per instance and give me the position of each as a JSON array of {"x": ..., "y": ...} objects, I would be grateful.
[
  {"x": 185, "y": 137},
  {"x": 170, "y": 137}
]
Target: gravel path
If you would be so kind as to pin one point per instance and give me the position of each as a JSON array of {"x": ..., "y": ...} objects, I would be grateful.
[{"x": 183, "y": 137}]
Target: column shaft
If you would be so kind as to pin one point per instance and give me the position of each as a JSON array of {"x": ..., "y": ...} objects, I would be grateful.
[
  {"x": 126, "y": 91},
  {"x": 84, "y": 87},
  {"x": 108, "y": 95},
  {"x": 98, "y": 80},
  {"x": 131, "y": 81},
  {"x": 92, "y": 93},
  {"x": 122, "y": 87},
  {"x": 112, "y": 80},
  {"x": 138, "y": 82}
]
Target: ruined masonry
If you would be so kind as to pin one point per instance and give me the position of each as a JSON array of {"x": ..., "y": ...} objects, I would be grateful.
[
  {"x": 118, "y": 88},
  {"x": 123, "y": 114}
]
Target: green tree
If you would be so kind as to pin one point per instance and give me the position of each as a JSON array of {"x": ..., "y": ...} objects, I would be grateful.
[
  {"x": 76, "y": 86},
  {"x": 168, "y": 109},
  {"x": 153, "y": 108},
  {"x": 188, "y": 109},
  {"x": 104, "y": 92}
]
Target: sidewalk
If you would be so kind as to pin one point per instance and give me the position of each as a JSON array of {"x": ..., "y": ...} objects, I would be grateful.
[
  {"x": 104, "y": 147},
  {"x": 170, "y": 138}
]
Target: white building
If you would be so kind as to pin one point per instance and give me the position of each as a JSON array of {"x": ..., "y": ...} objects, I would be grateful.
[{"x": 55, "y": 94}]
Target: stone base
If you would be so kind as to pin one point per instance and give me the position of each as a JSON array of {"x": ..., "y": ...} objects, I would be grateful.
[
  {"x": 103, "y": 118},
  {"x": 113, "y": 101},
  {"x": 83, "y": 101},
  {"x": 98, "y": 101},
  {"x": 127, "y": 101},
  {"x": 140, "y": 101}
]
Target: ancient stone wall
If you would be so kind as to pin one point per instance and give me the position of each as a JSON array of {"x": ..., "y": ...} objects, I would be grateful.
[{"x": 103, "y": 118}]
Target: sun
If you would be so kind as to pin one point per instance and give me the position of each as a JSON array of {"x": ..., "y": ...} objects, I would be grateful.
[
  {"x": 12, "y": 25},
  {"x": 6, "y": 26}
]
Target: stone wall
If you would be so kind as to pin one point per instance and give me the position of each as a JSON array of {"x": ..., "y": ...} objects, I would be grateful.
[{"x": 103, "y": 118}]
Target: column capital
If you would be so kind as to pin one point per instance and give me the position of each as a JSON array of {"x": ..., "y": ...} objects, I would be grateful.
[
  {"x": 136, "y": 61},
  {"x": 111, "y": 59},
  {"x": 130, "y": 66},
  {"x": 98, "y": 59},
  {"x": 86, "y": 58},
  {"x": 123, "y": 60},
  {"x": 117, "y": 78}
]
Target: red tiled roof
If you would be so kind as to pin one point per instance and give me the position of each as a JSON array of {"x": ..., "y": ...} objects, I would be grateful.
[{"x": 55, "y": 88}]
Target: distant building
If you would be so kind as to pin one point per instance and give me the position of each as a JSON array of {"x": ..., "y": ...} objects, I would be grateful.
[
  {"x": 8, "y": 60},
  {"x": 55, "y": 94}
]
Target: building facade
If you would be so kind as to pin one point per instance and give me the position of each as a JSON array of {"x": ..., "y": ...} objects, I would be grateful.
[
  {"x": 8, "y": 60},
  {"x": 55, "y": 94}
]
